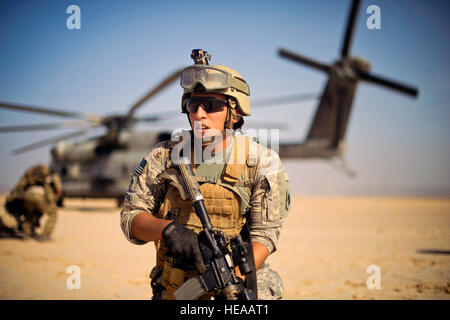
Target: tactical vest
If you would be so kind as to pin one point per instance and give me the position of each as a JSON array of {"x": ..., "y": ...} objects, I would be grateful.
[{"x": 226, "y": 189}]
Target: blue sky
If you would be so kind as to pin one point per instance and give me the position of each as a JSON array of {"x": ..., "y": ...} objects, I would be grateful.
[{"x": 397, "y": 145}]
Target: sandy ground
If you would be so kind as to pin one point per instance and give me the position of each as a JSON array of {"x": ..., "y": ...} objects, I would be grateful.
[{"x": 326, "y": 246}]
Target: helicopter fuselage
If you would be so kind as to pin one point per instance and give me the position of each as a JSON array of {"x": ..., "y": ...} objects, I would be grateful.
[{"x": 87, "y": 171}]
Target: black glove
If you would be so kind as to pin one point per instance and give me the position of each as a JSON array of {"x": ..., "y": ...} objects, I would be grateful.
[{"x": 183, "y": 244}]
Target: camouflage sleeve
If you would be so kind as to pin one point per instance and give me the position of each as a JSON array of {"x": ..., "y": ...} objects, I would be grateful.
[
  {"x": 270, "y": 202},
  {"x": 145, "y": 193}
]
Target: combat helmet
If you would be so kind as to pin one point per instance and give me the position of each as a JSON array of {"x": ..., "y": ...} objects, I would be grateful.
[{"x": 202, "y": 77}]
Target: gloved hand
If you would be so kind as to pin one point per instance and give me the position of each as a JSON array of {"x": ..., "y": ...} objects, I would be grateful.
[{"x": 183, "y": 244}]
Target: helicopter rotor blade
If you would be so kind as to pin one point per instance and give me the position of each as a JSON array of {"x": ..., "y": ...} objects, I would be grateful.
[
  {"x": 266, "y": 125},
  {"x": 46, "y": 142},
  {"x": 154, "y": 117},
  {"x": 391, "y": 84},
  {"x": 304, "y": 60},
  {"x": 350, "y": 29},
  {"x": 254, "y": 123},
  {"x": 49, "y": 126},
  {"x": 285, "y": 99},
  {"x": 257, "y": 103},
  {"x": 53, "y": 112},
  {"x": 163, "y": 84}
]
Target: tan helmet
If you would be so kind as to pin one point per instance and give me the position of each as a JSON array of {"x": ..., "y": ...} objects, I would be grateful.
[{"x": 237, "y": 90}]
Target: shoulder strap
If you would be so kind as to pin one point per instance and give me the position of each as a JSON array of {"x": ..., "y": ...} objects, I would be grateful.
[{"x": 240, "y": 171}]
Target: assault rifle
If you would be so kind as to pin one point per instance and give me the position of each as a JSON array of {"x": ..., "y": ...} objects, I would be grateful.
[{"x": 219, "y": 261}]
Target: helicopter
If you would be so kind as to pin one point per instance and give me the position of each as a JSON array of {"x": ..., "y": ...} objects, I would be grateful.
[
  {"x": 98, "y": 167},
  {"x": 101, "y": 166},
  {"x": 326, "y": 135}
]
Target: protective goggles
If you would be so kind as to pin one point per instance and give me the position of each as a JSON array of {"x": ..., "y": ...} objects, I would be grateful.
[
  {"x": 208, "y": 104},
  {"x": 211, "y": 78}
]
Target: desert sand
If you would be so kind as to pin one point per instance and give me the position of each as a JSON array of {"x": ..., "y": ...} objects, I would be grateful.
[{"x": 326, "y": 247}]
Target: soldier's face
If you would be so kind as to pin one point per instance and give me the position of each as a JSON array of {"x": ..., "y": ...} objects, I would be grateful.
[{"x": 208, "y": 124}]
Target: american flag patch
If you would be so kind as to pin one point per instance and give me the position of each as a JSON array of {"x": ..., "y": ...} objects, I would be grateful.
[{"x": 140, "y": 167}]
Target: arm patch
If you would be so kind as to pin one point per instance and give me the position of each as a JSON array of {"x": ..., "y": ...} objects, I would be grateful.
[{"x": 140, "y": 167}]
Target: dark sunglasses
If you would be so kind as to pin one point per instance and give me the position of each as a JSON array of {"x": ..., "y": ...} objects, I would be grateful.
[{"x": 208, "y": 104}]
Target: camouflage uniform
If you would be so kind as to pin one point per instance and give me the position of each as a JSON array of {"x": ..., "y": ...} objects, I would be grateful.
[
  {"x": 268, "y": 205},
  {"x": 35, "y": 195}
]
